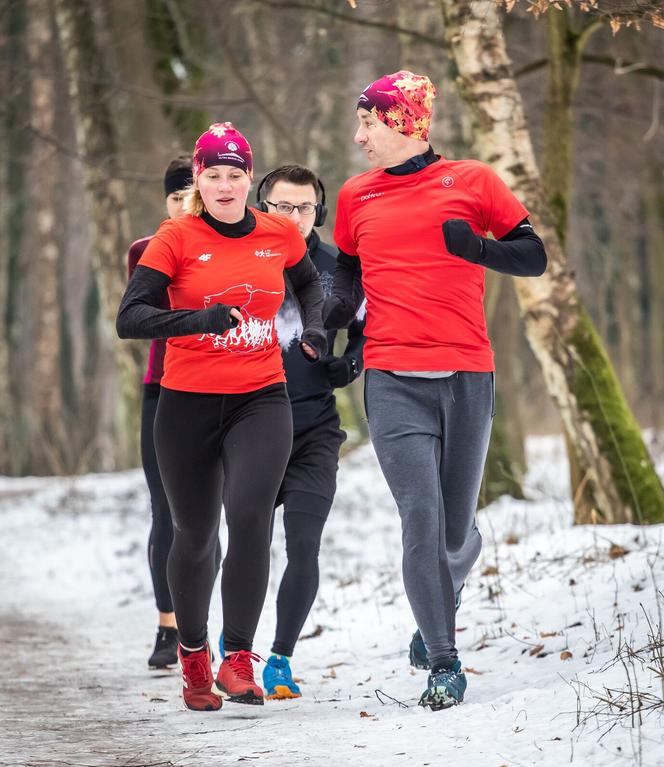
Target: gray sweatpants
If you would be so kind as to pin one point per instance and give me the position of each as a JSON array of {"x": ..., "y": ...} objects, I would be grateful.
[{"x": 431, "y": 437}]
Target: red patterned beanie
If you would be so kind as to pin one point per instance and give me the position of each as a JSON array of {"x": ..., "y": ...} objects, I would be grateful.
[
  {"x": 403, "y": 101},
  {"x": 222, "y": 144}
]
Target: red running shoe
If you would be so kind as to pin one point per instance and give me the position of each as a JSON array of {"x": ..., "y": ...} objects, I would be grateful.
[
  {"x": 197, "y": 681},
  {"x": 235, "y": 679}
]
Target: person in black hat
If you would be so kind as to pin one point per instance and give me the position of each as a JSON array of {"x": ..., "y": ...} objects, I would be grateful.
[{"x": 177, "y": 178}]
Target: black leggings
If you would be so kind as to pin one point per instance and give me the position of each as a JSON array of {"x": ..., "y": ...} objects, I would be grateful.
[
  {"x": 306, "y": 493},
  {"x": 214, "y": 447},
  {"x": 161, "y": 531},
  {"x": 304, "y": 518}
]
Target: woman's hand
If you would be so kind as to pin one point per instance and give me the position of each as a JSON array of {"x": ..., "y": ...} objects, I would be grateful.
[
  {"x": 309, "y": 351},
  {"x": 235, "y": 313}
]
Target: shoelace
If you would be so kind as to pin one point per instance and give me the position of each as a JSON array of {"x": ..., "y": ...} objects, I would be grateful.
[
  {"x": 196, "y": 667},
  {"x": 240, "y": 663}
]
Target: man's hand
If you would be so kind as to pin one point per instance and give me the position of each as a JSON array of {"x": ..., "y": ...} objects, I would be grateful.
[
  {"x": 337, "y": 313},
  {"x": 340, "y": 370},
  {"x": 460, "y": 240}
]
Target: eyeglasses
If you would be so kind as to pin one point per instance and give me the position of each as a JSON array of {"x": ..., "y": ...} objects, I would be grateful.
[{"x": 305, "y": 209}]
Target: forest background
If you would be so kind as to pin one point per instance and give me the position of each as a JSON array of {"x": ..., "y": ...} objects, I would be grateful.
[{"x": 99, "y": 96}]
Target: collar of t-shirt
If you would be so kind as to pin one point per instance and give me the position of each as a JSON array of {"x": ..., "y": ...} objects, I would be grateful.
[
  {"x": 239, "y": 229},
  {"x": 413, "y": 164}
]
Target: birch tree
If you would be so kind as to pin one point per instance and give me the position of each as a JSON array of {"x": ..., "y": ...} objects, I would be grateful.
[{"x": 618, "y": 480}]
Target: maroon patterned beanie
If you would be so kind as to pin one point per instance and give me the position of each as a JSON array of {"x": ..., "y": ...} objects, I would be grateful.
[
  {"x": 222, "y": 144},
  {"x": 402, "y": 101}
]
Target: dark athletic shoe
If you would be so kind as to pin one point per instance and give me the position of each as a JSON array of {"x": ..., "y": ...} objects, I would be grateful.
[
  {"x": 198, "y": 689},
  {"x": 235, "y": 679},
  {"x": 165, "y": 653},
  {"x": 417, "y": 652},
  {"x": 445, "y": 688}
]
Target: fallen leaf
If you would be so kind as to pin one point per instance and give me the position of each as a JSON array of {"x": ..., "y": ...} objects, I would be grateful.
[
  {"x": 490, "y": 570},
  {"x": 616, "y": 551},
  {"x": 536, "y": 650},
  {"x": 545, "y": 634},
  {"x": 470, "y": 670},
  {"x": 364, "y": 714},
  {"x": 566, "y": 655},
  {"x": 315, "y": 633},
  {"x": 462, "y": 628},
  {"x": 512, "y": 539}
]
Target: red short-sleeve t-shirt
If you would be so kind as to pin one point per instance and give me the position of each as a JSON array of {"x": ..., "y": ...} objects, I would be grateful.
[
  {"x": 207, "y": 268},
  {"x": 424, "y": 305}
]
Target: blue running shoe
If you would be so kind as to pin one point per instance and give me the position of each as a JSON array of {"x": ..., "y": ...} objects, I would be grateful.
[
  {"x": 445, "y": 688},
  {"x": 278, "y": 679},
  {"x": 417, "y": 652}
]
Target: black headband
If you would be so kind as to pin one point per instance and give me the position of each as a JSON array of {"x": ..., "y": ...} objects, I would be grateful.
[{"x": 177, "y": 180}]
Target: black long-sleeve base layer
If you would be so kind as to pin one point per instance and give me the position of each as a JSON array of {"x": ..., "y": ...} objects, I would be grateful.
[{"x": 209, "y": 447}]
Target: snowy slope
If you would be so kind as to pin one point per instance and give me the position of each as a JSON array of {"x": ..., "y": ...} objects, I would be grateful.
[{"x": 77, "y": 620}]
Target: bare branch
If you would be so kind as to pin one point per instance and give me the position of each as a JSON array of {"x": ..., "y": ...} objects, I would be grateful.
[
  {"x": 358, "y": 20},
  {"x": 619, "y": 66}
]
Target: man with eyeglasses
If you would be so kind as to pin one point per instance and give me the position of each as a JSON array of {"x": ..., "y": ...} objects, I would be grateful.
[{"x": 309, "y": 484}]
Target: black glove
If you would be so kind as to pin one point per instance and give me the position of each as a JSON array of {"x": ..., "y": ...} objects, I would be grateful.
[
  {"x": 337, "y": 313},
  {"x": 460, "y": 240},
  {"x": 218, "y": 319},
  {"x": 318, "y": 342},
  {"x": 340, "y": 370}
]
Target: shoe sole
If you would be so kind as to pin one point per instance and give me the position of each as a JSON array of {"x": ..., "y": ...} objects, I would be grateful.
[
  {"x": 283, "y": 692},
  {"x": 248, "y": 698},
  {"x": 439, "y": 702},
  {"x": 209, "y": 707},
  {"x": 164, "y": 667}
]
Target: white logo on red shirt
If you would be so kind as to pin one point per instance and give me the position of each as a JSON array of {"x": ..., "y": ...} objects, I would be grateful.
[
  {"x": 371, "y": 195},
  {"x": 265, "y": 253},
  {"x": 252, "y": 333},
  {"x": 205, "y": 257},
  {"x": 447, "y": 181}
]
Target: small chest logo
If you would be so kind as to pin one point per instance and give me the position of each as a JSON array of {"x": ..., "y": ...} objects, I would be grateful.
[
  {"x": 447, "y": 181},
  {"x": 371, "y": 195},
  {"x": 266, "y": 253},
  {"x": 205, "y": 257}
]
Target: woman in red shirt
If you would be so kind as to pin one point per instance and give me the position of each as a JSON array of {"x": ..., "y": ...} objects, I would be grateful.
[{"x": 223, "y": 429}]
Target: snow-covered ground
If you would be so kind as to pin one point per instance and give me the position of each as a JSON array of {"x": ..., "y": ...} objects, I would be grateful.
[{"x": 77, "y": 623}]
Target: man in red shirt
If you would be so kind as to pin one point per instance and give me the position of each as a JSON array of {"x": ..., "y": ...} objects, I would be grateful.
[{"x": 414, "y": 231}]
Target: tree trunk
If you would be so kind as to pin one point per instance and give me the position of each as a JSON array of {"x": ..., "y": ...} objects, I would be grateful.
[
  {"x": 47, "y": 445},
  {"x": 506, "y": 462},
  {"x": 97, "y": 141},
  {"x": 5, "y": 216},
  {"x": 620, "y": 482}
]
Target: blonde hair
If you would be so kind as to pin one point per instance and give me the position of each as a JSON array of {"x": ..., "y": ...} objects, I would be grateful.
[{"x": 192, "y": 202}]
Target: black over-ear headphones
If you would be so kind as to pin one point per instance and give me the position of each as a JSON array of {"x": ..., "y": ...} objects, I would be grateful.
[{"x": 321, "y": 207}]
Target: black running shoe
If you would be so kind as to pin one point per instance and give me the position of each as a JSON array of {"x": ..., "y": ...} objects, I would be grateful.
[{"x": 165, "y": 653}]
